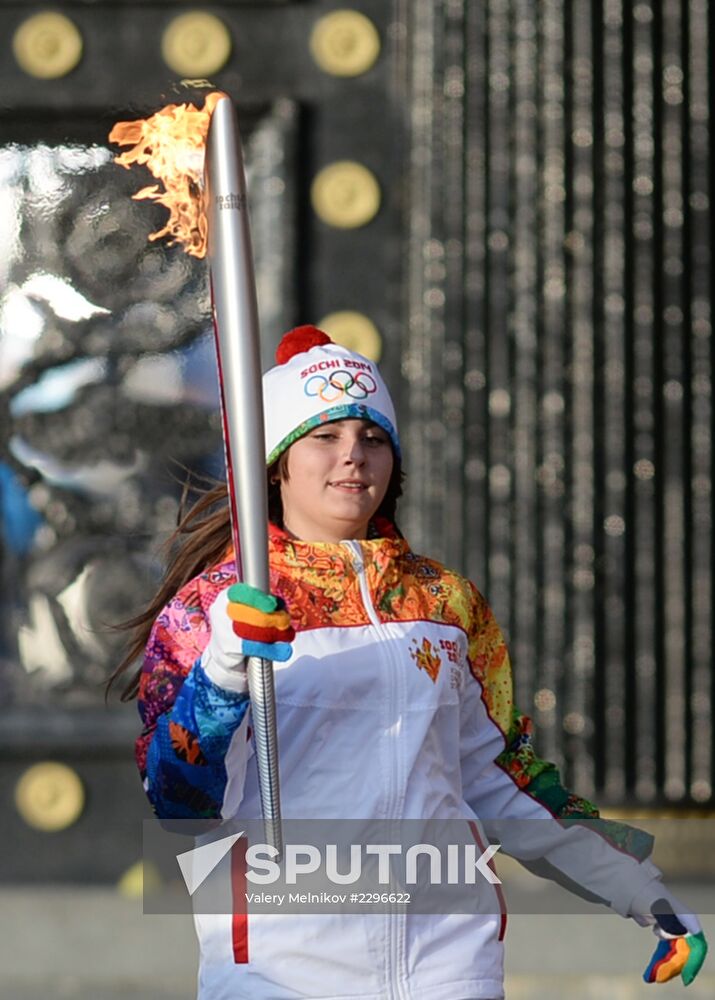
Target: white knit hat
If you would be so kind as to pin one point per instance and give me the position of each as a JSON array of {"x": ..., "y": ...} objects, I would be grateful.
[{"x": 316, "y": 381}]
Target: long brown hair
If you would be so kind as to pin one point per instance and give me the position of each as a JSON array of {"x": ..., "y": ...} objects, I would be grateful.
[{"x": 201, "y": 539}]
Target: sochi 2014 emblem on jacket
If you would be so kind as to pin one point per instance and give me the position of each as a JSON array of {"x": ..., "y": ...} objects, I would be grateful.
[{"x": 427, "y": 658}]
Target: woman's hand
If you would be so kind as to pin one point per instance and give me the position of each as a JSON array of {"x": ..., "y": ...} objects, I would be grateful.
[
  {"x": 682, "y": 947},
  {"x": 245, "y": 622},
  {"x": 260, "y": 621}
]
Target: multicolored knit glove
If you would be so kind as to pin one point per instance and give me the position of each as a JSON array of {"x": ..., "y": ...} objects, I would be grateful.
[
  {"x": 245, "y": 622},
  {"x": 682, "y": 947},
  {"x": 261, "y": 621}
]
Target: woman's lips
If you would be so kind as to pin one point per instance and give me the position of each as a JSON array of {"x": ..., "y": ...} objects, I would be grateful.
[{"x": 349, "y": 485}]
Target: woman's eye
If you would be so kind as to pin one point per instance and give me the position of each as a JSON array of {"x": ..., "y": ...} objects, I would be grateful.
[{"x": 375, "y": 439}]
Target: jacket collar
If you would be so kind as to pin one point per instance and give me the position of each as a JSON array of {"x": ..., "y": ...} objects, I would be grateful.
[{"x": 287, "y": 552}]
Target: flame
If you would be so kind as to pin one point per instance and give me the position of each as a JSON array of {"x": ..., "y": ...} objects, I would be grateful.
[
  {"x": 171, "y": 144},
  {"x": 427, "y": 658}
]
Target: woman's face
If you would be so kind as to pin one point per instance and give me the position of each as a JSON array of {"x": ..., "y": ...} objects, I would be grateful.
[{"x": 337, "y": 477}]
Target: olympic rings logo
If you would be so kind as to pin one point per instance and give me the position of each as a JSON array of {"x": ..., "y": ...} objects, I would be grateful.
[{"x": 340, "y": 384}]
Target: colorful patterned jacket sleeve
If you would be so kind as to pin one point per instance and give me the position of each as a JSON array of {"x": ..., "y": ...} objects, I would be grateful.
[
  {"x": 189, "y": 721},
  {"x": 521, "y": 799}
]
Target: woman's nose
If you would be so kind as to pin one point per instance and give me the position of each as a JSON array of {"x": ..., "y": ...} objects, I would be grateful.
[{"x": 354, "y": 451}]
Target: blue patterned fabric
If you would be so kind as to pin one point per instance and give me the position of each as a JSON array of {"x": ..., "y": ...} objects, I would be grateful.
[{"x": 185, "y": 763}]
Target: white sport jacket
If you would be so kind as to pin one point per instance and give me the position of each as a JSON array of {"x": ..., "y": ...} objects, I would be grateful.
[{"x": 396, "y": 703}]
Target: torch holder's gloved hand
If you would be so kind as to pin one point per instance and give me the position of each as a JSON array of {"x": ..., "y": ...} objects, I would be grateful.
[
  {"x": 245, "y": 622},
  {"x": 682, "y": 947}
]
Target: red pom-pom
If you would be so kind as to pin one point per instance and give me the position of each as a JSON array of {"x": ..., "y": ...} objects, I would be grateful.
[{"x": 299, "y": 340}]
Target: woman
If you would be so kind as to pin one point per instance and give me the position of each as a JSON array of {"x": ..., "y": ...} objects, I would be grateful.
[{"x": 394, "y": 700}]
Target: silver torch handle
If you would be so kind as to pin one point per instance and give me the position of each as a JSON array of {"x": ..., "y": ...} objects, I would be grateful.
[{"x": 233, "y": 290}]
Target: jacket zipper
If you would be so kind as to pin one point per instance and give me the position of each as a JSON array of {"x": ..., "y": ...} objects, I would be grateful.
[
  {"x": 393, "y": 925},
  {"x": 359, "y": 567}
]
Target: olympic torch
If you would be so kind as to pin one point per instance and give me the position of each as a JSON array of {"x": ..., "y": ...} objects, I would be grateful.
[{"x": 236, "y": 328}]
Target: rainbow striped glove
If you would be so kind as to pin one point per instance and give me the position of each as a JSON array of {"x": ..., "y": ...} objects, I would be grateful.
[
  {"x": 682, "y": 947},
  {"x": 245, "y": 622}
]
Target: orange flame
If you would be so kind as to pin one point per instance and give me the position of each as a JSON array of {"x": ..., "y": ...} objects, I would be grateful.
[{"x": 171, "y": 144}]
